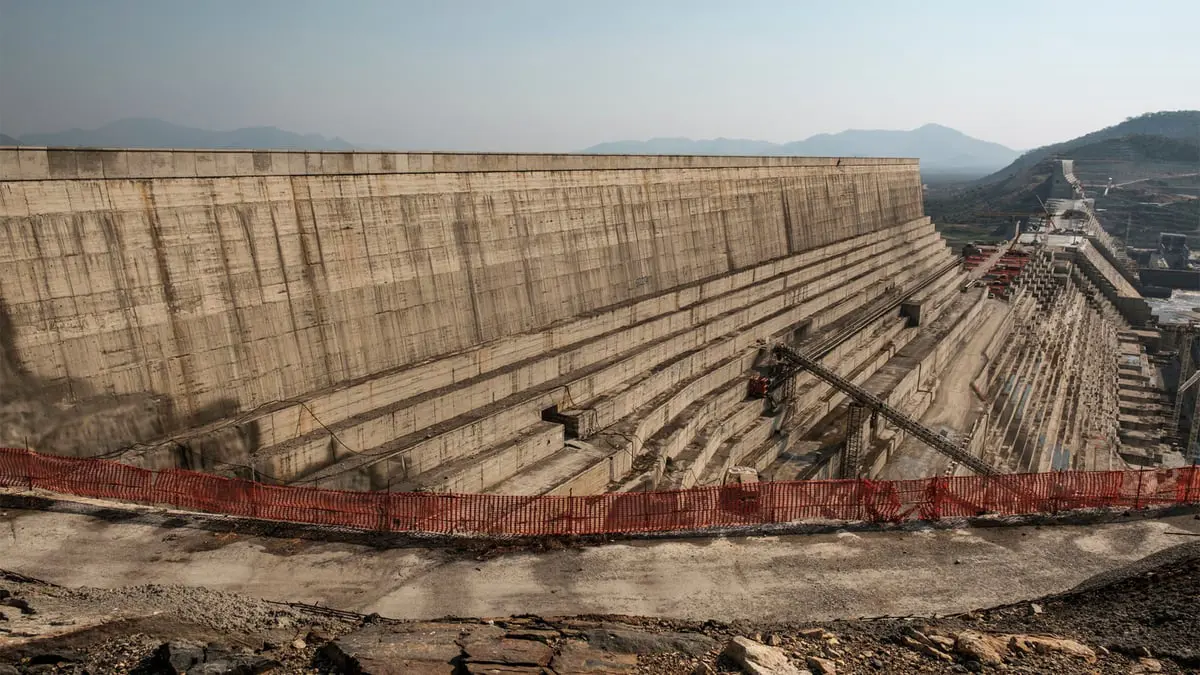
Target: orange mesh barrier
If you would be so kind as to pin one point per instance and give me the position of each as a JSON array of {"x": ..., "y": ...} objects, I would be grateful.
[{"x": 667, "y": 511}]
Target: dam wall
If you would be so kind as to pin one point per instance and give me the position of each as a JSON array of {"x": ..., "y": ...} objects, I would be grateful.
[{"x": 219, "y": 282}]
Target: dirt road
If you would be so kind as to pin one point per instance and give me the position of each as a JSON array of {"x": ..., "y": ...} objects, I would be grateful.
[{"x": 793, "y": 578}]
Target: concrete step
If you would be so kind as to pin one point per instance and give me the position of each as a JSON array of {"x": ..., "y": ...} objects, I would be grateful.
[
  {"x": 670, "y": 383},
  {"x": 386, "y": 425},
  {"x": 560, "y": 473},
  {"x": 477, "y": 473}
]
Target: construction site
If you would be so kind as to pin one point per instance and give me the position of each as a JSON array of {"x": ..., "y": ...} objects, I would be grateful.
[
  {"x": 477, "y": 345},
  {"x": 556, "y": 324}
]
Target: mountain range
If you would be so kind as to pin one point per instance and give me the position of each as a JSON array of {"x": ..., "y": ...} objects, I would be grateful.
[
  {"x": 940, "y": 149},
  {"x": 153, "y": 133}
]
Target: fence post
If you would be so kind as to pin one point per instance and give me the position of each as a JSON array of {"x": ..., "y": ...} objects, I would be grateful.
[
  {"x": 934, "y": 494},
  {"x": 387, "y": 510},
  {"x": 253, "y": 494},
  {"x": 1137, "y": 500},
  {"x": 29, "y": 459}
]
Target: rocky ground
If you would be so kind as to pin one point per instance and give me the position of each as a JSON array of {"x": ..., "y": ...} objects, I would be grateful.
[{"x": 1143, "y": 618}]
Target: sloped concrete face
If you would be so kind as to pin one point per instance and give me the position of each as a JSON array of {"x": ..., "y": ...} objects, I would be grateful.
[{"x": 221, "y": 282}]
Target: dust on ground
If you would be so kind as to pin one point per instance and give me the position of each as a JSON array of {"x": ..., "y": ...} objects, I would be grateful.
[{"x": 1140, "y": 618}]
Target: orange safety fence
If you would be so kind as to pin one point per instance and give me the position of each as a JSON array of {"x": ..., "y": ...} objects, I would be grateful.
[{"x": 613, "y": 513}]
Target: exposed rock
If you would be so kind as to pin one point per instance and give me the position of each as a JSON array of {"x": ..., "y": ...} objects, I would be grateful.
[
  {"x": 984, "y": 648},
  {"x": 923, "y": 648},
  {"x": 1043, "y": 645},
  {"x": 299, "y": 644},
  {"x": 381, "y": 649},
  {"x": 821, "y": 666},
  {"x": 178, "y": 656},
  {"x": 56, "y": 657},
  {"x": 755, "y": 658},
  {"x": 944, "y": 643},
  {"x": 317, "y": 637},
  {"x": 1035, "y": 609},
  {"x": 497, "y": 669},
  {"x": 813, "y": 633},
  {"x": 539, "y": 634},
  {"x": 921, "y": 637},
  {"x": 18, "y": 603},
  {"x": 639, "y": 642},
  {"x": 507, "y": 651},
  {"x": 1146, "y": 665},
  {"x": 579, "y": 658}
]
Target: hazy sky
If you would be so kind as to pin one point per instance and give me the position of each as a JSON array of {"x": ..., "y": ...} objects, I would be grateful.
[{"x": 565, "y": 74}]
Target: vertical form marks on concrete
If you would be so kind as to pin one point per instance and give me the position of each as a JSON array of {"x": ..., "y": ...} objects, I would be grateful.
[
  {"x": 288, "y": 378},
  {"x": 222, "y": 218},
  {"x": 50, "y": 318},
  {"x": 466, "y": 242},
  {"x": 560, "y": 244},
  {"x": 310, "y": 266},
  {"x": 125, "y": 286},
  {"x": 179, "y": 337},
  {"x": 788, "y": 226}
]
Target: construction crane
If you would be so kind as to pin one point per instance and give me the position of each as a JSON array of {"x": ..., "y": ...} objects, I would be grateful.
[{"x": 795, "y": 362}]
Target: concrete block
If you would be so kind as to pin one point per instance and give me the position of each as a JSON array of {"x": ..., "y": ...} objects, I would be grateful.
[
  {"x": 206, "y": 163},
  {"x": 116, "y": 164},
  {"x": 141, "y": 163},
  {"x": 62, "y": 164},
  {"x": 10, "y": 164},
  {"x": 35, "y": 165},
  {"x": 184, "y": 163},
  {"x": 416, "y": 161},
  {"x": 225, "y": 163},
  {"x": 243, "y": 164}
]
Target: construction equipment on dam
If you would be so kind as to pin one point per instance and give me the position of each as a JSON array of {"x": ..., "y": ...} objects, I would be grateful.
[
  {"x": 795, "y": 362},
  {"x": 557, "y": 324}
]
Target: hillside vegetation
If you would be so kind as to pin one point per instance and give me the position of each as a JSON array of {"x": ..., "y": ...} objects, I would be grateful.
[
  {"x": 1179, "y": 125},
  {"x": 1151, "y": 160}
]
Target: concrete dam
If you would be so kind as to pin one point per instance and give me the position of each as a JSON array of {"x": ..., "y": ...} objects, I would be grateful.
[{"x": 541, "y": 324}]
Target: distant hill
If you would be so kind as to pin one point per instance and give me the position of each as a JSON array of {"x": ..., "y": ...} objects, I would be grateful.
[
  {"x": 7, "y": 140},
  {"x": 153, "y": 133},
  {"x": 1151, "y": 160},
  {"x": 687, "y": 146},
  {"x": 1181, "y": 125},
  {"x": 940, "y": 149}
]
